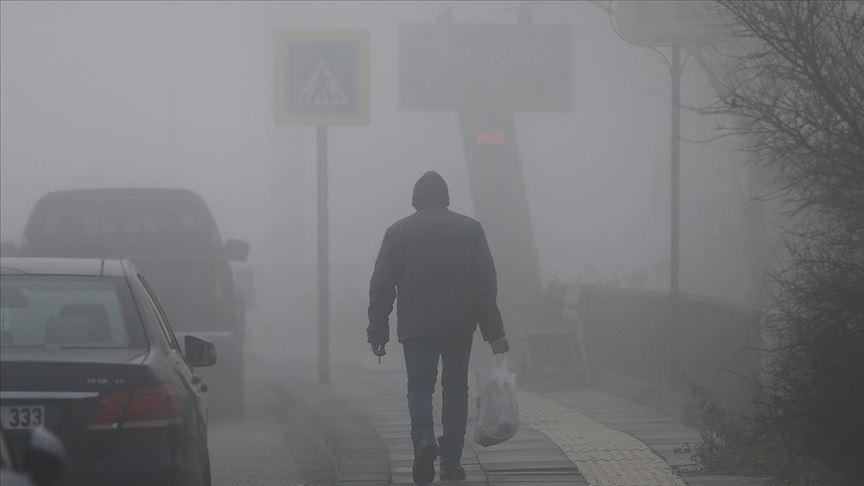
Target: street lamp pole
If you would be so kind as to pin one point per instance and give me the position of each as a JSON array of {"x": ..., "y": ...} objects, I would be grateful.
[{"x": 651, "y": 24}]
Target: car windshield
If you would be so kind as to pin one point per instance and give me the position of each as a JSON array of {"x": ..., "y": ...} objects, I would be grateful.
[{"x": 68, "y": 311}]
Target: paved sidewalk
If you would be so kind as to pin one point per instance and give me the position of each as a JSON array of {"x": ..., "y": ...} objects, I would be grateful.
[
  {"x": 666, "y": 437},
  {"x": 378, "y": 393},
  {"x": 575, "y": 437},
  {"x": 605, "y": 456}
]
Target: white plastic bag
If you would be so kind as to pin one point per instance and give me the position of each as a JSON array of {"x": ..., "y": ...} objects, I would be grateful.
[{"x": 498, "y": 417}]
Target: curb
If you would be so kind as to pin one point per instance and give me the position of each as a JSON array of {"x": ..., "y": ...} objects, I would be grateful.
[{"x": 359, "y": 455}]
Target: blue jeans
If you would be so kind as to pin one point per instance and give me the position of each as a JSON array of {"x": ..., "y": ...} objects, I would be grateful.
[{"x": 421, "y": 362}]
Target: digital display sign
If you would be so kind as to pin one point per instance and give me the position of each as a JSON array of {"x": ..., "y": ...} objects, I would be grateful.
[{"x": 490, "y": 138}]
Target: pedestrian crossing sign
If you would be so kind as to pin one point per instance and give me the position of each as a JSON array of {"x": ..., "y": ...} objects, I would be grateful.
[{"x": 321, "y": 77}]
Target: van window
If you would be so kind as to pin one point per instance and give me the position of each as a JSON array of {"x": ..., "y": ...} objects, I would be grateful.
[{"x": 120, "y": 225}]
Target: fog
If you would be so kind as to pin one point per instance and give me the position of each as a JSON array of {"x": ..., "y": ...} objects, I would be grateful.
[{"x": 158, "y": 94}]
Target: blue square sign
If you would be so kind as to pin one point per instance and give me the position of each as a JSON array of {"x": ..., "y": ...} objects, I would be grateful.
[{"x": 322, "y": 78}]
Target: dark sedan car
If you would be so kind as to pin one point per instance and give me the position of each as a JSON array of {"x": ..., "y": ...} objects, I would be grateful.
[{"x": 88, "y": 353}]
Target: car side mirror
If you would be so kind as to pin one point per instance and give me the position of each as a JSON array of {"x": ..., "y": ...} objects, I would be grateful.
[
  {"x": 44, "y": 457},
  {"x": 236, "y": 250},
  {"x": 199, "y": 352}
]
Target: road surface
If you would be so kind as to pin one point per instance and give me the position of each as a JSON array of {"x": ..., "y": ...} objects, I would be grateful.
[{"x": 263, "y": 448}]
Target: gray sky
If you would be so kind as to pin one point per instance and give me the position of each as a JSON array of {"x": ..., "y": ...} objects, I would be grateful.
[{"x": 180, "y": 94}]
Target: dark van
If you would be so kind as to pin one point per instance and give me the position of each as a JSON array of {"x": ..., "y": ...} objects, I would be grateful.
[{"x": 171, "y": 237}]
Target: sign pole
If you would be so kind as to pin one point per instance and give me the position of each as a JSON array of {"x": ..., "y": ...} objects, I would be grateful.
[
  {"x": 675, "y": 226},
  {"x": 323, "y": 260},
  {"x": 321, "y": 79}
]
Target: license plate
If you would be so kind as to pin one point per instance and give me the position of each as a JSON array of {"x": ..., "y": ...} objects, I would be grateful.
[{"x": 22, "y": 416}]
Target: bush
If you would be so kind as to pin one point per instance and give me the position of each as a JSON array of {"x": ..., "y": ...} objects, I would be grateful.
[{"x": 729, "y": 443}]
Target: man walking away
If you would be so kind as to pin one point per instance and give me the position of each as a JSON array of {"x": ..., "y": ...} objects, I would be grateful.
[{"x": 438, "y": 263}]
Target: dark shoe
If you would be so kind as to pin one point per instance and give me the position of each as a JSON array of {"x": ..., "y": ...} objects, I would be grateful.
[
  {"x": 425, "y": 453},
  {"x": 452, "y": 473}
]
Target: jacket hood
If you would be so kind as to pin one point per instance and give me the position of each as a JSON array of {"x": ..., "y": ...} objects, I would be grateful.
[{"x": 430, "y": 191}]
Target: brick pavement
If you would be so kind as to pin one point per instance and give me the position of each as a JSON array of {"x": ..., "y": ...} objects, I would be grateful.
[{"x": 378, "y": 394}]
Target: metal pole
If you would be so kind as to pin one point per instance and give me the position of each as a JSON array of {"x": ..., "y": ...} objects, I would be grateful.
[
  {"x": 323, "y": 261},
  {"x": 675, "y": 226}
]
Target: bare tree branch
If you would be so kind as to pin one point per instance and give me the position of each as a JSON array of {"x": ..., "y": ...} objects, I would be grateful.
[{"x": 793, "y": 79}]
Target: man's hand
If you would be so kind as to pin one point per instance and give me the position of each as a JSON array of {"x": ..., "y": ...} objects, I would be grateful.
[
  {"x": 500, "y": 345},
  {"x": 378, "y": 349}
]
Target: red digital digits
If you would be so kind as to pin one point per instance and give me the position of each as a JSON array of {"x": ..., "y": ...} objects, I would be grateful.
[{"x": 490, "y": 138}]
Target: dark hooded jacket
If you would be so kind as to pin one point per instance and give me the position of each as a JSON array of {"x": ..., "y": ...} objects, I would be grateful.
[{"x": 439, "y": 264}]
